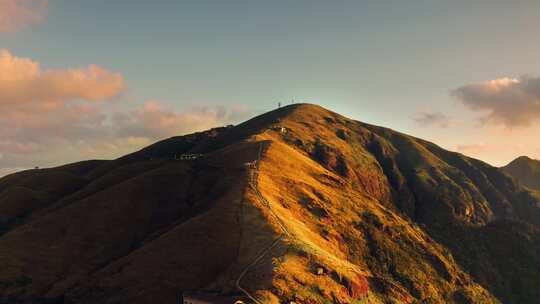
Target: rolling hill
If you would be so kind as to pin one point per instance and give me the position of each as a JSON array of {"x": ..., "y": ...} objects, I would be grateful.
[
  {"x": 298, "y": 205},
  {"x": 526, "y": 171}
]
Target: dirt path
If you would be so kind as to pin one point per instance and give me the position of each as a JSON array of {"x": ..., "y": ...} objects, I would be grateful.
[{"x": 254, "y": 184}]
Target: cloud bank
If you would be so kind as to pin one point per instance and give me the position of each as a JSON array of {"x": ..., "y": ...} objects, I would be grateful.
[
  {"x": 16, "y": 14},
  {"x": 153, "y": 120},
  {"x": 51, "y": 117},
  {"x": 513, "y": 102}
]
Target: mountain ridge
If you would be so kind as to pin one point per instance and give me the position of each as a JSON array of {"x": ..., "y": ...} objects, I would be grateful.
[
  {"x": 389, "y": 218},
  {"x": 526, "y": 170}
]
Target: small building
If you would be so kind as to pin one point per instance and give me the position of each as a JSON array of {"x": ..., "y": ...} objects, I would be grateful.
[
  {"x": 210, "y": 298},
  {"x": 188, "y": 156},
  {"x": 251, "y": 165},
  {"x": 279, "y": 129}
]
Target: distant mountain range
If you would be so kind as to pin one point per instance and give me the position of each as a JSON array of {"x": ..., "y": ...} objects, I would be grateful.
[
  {"x": 297, "y": 205},
  {"x": 526, "y": 171}
]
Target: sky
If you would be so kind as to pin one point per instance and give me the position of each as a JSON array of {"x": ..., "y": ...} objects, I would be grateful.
[{"x": 98, "y": 79}]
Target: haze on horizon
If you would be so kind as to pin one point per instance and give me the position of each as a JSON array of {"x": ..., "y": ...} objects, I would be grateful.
[{"x": 98, "y": 79}]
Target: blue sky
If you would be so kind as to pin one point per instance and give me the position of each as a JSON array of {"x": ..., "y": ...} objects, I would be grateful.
[{"x": 389, "y": 63}]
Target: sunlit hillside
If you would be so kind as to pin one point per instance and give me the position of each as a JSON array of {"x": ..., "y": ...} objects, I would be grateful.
[{"x": 297, "y": 205}]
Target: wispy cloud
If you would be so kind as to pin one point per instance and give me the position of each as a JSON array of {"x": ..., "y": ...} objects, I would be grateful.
[
  {"x": 429, "y": 118},
  {"x": 16, "y": 14},
  {"x": 512, "y": 102}
]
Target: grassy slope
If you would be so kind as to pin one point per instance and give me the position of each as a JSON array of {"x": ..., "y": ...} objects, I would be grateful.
[
  {"x": 67, "y": 247},
  {"x": 26, "y": 192},
  {"x": 346, "y": 232},
  {"x": 388, "y": 217},
  {"x": 526, "y": 171},
  {"x": 341, "y": 219}
]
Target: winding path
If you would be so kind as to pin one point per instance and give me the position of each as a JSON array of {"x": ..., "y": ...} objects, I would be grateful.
[{"x": 254, "y": 184}]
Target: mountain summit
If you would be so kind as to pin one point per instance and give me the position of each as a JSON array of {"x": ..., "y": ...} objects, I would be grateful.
[
  {"x": 299, "y": 204},
  {"x": 526, "y": 170}
]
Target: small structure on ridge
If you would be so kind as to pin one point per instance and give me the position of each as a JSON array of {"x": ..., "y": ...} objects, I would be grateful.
[
  {"x": 279, "y": 129},
  {"x": 188, "y": 156}
]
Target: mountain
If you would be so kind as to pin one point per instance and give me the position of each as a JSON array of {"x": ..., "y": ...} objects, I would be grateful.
[
  {"x": 525, "y": 170},
  {"x": 299, "y": 204}
]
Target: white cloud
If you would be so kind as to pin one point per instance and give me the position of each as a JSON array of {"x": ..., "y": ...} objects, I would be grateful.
[{"x": 508, "y": 101}]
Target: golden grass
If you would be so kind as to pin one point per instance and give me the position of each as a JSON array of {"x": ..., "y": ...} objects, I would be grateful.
[{"x": 320, "y": 208}]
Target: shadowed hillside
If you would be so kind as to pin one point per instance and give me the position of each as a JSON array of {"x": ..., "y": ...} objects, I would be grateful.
[
  {"x": 299, "y": 204},
  {"x": 526, "y": 171}
]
